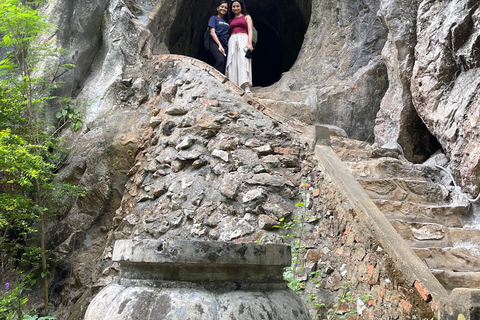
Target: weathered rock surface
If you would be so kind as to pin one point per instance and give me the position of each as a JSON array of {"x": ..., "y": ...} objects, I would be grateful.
[
  {"x": 188, "y": 151},
  {"x": 449, "y": 99},
  {"x": 339, "y": 67},
  {"x": 433, "y": 70},
  {"x": 397, "y": 115}
]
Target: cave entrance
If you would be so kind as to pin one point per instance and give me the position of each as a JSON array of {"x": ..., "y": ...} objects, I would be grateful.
[{"x": 281, "y": 26}]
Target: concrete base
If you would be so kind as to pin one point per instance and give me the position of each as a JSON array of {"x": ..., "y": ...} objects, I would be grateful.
[{"x": 198, "y": 280}]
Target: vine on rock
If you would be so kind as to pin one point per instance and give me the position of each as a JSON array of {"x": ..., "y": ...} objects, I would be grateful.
[
  {"x": 292, "y": 233},
  {"x": 346, "y": 305}
]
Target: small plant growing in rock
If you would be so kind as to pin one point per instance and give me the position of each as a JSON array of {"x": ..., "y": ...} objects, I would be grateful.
[
  {"x": 292, "y": 231},
  {"x": 345, "y": 304},
  {"x": 312, "y": 297},
  {"x": 287, "y": 230},
  {"x": 70, "y": 114}
]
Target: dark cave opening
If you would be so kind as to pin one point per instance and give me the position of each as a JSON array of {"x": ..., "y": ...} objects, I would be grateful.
[
  {"x": 281, "y": 26},
  {"x": 423, "y": 144}
]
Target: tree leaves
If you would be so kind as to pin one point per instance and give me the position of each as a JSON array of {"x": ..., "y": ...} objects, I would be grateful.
[{"x": 28, "y": 152}]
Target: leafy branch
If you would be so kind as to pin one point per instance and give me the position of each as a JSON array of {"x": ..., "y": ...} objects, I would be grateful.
[
  {"x": 27, "y": 150},
  {"x": 70, "y": 114}
]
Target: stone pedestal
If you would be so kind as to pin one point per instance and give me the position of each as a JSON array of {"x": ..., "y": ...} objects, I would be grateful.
[{"x": 198, "y": 280}]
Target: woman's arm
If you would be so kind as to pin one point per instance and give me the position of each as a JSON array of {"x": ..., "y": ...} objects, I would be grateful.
[
  {"x": 249, "y": 20},
  {"x": 217, "y": 41}
]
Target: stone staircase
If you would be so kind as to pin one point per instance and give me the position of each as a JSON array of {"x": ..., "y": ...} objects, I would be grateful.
[{"x": 433, "y": 218}]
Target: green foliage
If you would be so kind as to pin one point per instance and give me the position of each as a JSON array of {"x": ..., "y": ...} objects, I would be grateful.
[
  {"x": 261, "y": 239},
  {"x": 292, "y": 233},
  {"x": 28, "y": 152},
  {"x": 344, "y": 306},
  {"x": 22, "y": 165},
  {"x": 286, "y": 226},
  {"x": 13, "y": 300},
  {"x": 71, "y": 115},
  {"x": 20, "y": 26},
  {"x": 10, "y": 110}
]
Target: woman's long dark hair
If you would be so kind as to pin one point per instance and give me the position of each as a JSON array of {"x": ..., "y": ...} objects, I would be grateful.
[
  {"x": 231, "y": 15},
  {"x": 219, "y": 3}
]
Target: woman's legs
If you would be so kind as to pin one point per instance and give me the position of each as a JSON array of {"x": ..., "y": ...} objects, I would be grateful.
[
  {"x": 220, "y": 59},
  {"x": 239, "y": 68}
]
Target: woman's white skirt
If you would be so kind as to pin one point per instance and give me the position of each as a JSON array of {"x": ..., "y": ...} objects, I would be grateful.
[{"x": 239, "y": 68}]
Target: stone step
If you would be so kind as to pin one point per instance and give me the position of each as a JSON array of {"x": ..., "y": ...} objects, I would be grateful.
[
  {"x": 451, "y": 279},
  {"x": 290, "y": 110},
  {"x": 398, "y": 189},
  {"x": 290, "y": 104},
  {"x": 348, "y": 155},
  {"x": 432, "y": 235},
  {"x": 450, "y": 215},
  {"x": 432, "y": 218},
  {"x": 459, "y": 259},
  {"x": 383, "y": 168},
  {"x": 350, "y": 144},
  {"x": 351, "y": 150}
]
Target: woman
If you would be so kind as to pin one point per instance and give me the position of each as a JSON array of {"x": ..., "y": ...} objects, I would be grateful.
[
  {"x": 239, "y": 68},
  {"x": 219, "y": 34}
]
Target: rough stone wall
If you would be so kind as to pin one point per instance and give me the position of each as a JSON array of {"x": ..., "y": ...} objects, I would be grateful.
[{"x": 212, "y": 166}]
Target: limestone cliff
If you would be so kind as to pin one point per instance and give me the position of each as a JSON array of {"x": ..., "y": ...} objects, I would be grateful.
[
  {"x": 383, "y": 70},
  {"x": 433, "y": 56},
  {"x": 361, "y": 65}
]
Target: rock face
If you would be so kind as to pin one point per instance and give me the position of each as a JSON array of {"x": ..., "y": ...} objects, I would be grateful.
[
  {"x": 449, "y": 99},
  {"x": 175, "y": 153},
  {"x": 339, "y": 65},
  {"x": 434, "y": 67},
  {"x": 397, "y": 119}
]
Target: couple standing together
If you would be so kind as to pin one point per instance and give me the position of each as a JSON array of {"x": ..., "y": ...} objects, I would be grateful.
[{"x": 230, "y": 44}]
